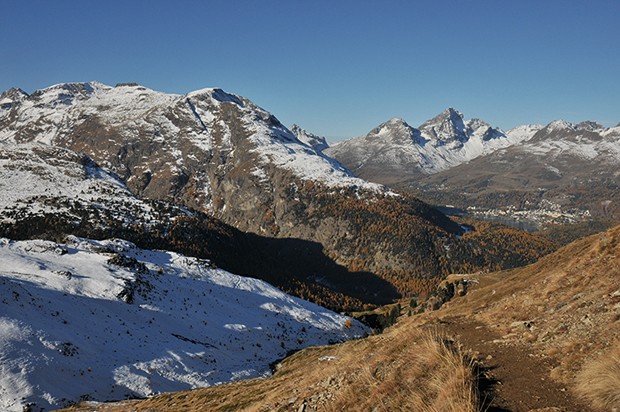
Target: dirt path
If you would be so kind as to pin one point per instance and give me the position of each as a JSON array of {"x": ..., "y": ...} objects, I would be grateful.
[{"x": 513, "y": 378}]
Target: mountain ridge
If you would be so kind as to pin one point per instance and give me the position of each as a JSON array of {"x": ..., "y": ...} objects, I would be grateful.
[
  {"x": 395, "y": 151},
  {"x": 532, "y": 175}
]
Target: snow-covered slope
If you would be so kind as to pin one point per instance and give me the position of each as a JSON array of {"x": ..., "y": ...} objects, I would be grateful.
[
  {"x": 105, "y": 320},
  {"x": 524, "y": 132},
  {"x": 38, "y": 179},
  {"x": 395, "y": 151},
  {"x": 586, "y": 140}
]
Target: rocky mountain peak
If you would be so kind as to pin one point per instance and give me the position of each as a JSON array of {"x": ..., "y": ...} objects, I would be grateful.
[
  {"x": 217, "y": 95},
  {"x": 589, "y": 125},
  {"x": 478, "y": 124},
  {"x": 484, "y": 130},
  {"x": 557, "y": 129},
  {"x": 13, "y": 94},
  {"x": 449, "y": 115},
  {"x": 448, "y": 126},
  {"x": 396, "y": 131},
  {"x": 316, "y": 142},
  {"x": 393, "y": 124},
  {"x": 557, "y": 125}
]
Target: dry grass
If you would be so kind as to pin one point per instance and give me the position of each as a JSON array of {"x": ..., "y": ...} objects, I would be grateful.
[
  {"x": 599, "y": 381},
  {"x": 564, "y": 309},
  {"x": 428, "y": 375},
  {"x": 403, "y": 369}
]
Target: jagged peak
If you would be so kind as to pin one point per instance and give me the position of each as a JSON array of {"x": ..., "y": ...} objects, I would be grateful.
[
  {"x": 451, "y": 111},
  {"x": 218, "y": 95},
  {"x": 317, "y": 142},
  {"x": 449, "y": 114},
  {"x": 447, "y": 126},
  {"x": 559, "y": 125},
  {"x": 9, "y": 97},
  {"x": 589, "y": 125},
  {"x": 477, "y": 123},
  {"x": 394, "y": 123},
  {"x": 14, "y": 93}
]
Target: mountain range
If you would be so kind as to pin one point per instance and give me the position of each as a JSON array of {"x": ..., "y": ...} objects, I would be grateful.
[
  {"x": 400, "y": 151},
  {"x": 558, "y": 173}
]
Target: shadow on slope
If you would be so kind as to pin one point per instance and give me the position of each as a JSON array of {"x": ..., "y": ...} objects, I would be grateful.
[{"x": 296, "y": 266}]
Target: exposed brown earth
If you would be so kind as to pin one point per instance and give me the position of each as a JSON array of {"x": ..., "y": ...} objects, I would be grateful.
[{"x": 513, "y": 377}]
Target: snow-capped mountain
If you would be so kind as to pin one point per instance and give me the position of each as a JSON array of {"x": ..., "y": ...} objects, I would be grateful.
[
  {"x": 563, "y": 171},
  {"x": 12, "y": 97},
  {"x": 524, "y": 132},
  {"x": 48, "y": 192},
  {"x": 586, "y": 140},
  {"x": 190, "y": 149},
  {"x": 105, "y": 320},
  {"x": 281, "y": 210},
  {"x": 318, "y": 143},
  {"x": 395, "y": 151}
]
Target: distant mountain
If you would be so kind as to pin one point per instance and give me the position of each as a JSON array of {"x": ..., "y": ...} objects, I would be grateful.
[
  {"x": 104, "y": 320},
  {"x": 318, "y": 143},
  {"x": 395, "y": 152},
  {"x": 561, "y": 173},
  {"x": 532, "y": 174}
]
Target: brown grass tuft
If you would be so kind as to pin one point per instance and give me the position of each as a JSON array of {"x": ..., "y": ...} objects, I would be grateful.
[
  {"x": 429, "y": 375},
  {"x": 599, "y": 381}
]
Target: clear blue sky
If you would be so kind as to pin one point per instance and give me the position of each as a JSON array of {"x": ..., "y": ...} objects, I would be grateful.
[{"x": 337, "y": 68}]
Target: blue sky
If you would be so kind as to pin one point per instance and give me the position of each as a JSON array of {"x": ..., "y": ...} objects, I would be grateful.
[{"x": 337, "y": 68}]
